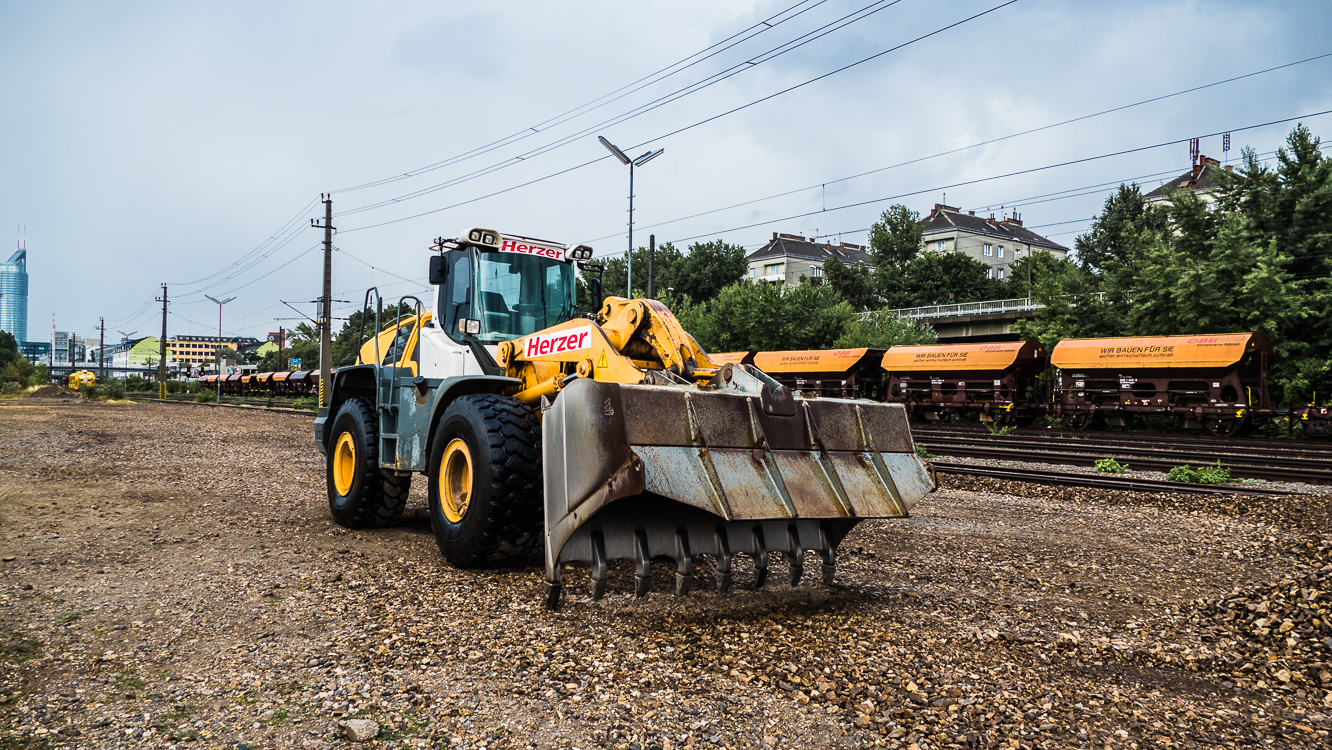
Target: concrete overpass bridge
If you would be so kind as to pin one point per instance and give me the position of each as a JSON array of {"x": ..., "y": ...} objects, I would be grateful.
[{"x": 975, "y": 322}]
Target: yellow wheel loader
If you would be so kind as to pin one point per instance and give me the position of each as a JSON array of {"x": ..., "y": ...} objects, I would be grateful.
[{"x": 599, "y": 436}]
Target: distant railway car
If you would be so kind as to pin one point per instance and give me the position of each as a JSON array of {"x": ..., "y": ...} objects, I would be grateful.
[
  {"x": 837, "y": 373},
  {"x": 81, "y": 378},
  {"x": 1217, "y": 382},
  {"x": 995, "y": 381}
]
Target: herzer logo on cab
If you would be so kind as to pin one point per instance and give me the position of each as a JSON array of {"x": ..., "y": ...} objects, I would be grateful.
[
  {"x": 557, "y": 342},
  {"x": 513, "y": 246}
]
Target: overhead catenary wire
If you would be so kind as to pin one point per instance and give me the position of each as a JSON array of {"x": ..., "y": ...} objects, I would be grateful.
[
  {"x": 642, "y": 109},
  {"x": 629, "y": 88},
  {"x": 939, "y": 188},
  {"x": 690, "y": 127},
  {"x": 972, "y": 146}
]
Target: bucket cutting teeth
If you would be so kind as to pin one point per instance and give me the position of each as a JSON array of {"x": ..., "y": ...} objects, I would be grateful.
[{"x": 737, "y": 467}]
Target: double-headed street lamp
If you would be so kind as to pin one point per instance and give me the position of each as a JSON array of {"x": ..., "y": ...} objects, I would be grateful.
[
  {"x": 220, "y": 303},
  {"x": 631, "y": 163}
]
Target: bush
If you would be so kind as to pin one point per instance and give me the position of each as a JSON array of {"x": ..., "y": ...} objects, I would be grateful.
[
  {"x": 999, "y": 429},
  {"x": 1110, "y": 466},
  {"x": 205, "y": 397},
  {"x": 924, "y": 452},
  {"x": 1209, "y": 474},
  {"x": 114, "y": 389}
]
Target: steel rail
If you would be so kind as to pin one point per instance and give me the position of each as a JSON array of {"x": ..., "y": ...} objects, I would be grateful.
[
  {"x": 1130, "y": 438},
  {"x": 1314, "y": 471},
  {"x": 1295, "y": 459},
  {"x": 1076, "y": 479}
]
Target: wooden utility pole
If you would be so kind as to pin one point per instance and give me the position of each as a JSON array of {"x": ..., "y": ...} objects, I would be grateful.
[
  {"x": 652, "y": 265},
  {"x": 325, "y": 315},
  {"x": 161, "y": 359},
  {"x": 101, "y": 350}
]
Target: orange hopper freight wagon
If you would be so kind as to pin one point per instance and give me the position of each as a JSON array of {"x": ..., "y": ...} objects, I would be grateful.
[
  {"x": 1213, "y": 381},
  {"x": 835, "y": 373},
  {"x": 995, "y": 381}
]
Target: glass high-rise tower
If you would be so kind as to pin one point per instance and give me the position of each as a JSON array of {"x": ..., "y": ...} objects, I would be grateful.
[{"x": 14, "y": 296}]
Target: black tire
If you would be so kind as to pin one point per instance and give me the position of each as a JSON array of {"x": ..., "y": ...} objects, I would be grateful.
[
  {"x": 494, "y": 515},
  {"x": 360, "y": 494}
]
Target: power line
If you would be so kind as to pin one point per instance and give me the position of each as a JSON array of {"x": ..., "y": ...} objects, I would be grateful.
[
  {"x": 696, "y": 124},
  {"x": 999, "y": 177},
  {"x": 761, "y": 27},
  {"x": 642, "y": 109},
  {"x": 973, "y": 146}
]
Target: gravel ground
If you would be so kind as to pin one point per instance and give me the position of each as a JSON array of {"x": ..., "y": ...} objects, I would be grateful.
[{"x": 171, "y": 578}]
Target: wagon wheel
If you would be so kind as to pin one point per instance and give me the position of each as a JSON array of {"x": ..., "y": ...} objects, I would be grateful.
[
  {"x": 1225, "y": 427},
  {"x": 1078, "y": 421}
]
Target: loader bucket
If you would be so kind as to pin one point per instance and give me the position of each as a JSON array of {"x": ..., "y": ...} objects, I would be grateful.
[{"x": 739, "y": 466}]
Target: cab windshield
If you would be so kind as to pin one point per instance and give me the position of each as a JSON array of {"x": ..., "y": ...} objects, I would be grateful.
[{"x": 517, "y": 294}]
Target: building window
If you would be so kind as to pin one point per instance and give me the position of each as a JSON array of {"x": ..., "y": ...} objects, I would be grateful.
[
  {"x": 939, "y": 246},
  {"x": 1001, "y": 251},
  {"x": 989, "y": 250},
  {"x": 772, "y": 268},
  {"x": 816, "y": 271},
  {"x": 751, "y": 272},
  {"x": 999, "y": 273}
]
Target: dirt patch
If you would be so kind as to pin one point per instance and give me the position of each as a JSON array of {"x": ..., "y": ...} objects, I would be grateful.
[{"x": 171, "y": 575}]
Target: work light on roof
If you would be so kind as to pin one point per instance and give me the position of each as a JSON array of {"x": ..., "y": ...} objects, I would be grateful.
[{"x": 487, "y": 237}]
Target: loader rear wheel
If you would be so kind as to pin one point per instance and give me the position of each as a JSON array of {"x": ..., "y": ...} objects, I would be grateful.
[
  {"x": 485, "y": 481},
  {"x": 360, "y": 494}
]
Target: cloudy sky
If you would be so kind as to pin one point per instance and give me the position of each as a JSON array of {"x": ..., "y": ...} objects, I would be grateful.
[{"x": 187, "y": 143}]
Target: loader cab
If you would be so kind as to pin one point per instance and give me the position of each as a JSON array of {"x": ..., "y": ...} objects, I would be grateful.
[
  {"x": 504, "y": 288},
  {"x": 396, "y": 344}
]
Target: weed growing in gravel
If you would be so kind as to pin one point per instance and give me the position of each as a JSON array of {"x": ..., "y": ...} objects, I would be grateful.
[
  {"x": 16, "y": 647},
  {"x": 169, "y": 722},
  {"x": 127, "y": 682},
  {"x": 924, "y": 452},
  {"x": 278, "y": 717},
  {"x": 1110, "y": 466},
  {"x": 1209, "y": 474},
  {"x": 68, "y": 617},
  {"x": 999, "y": 429},
  {"x": 205, "y": 397}
]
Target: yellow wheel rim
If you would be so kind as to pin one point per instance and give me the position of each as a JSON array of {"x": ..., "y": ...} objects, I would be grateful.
[
  {"x": 455, "y": 480},
  {"x": 344, "y": 464}
]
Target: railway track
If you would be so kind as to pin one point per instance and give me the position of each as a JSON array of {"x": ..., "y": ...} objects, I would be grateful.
[
  {"x": 1286, "y": 461},
  {"x": 1071, "y": 479}
]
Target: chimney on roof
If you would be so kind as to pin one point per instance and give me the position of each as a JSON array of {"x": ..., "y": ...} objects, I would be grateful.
[
  {"x": 774, "y": 236},
  {"x": 1013, "y": 221},
  {"x": 971, "y": 213}
]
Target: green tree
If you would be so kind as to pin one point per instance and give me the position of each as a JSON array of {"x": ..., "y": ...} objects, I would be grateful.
[
  {"x": 884, "y": 328},
  {"x": 896, "y": 237},
  {"x": 9, "y": 349},
  {"x": 855, "y": 284},
  {"x": 1120, "y": 224},
  {"x": 767, "y": 317},
  {"x": 940, "y": 279},
  {"x": 706, "y": 269},
  {"x": 613, "y": 281}
]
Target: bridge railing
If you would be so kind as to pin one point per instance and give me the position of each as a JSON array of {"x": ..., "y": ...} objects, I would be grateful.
[{"x": 1021, "y": 304}]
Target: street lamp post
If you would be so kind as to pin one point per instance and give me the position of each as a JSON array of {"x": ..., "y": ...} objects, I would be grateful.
[
  {"x": 631, "y": 163},
  {"x": 218, "y": 382}
]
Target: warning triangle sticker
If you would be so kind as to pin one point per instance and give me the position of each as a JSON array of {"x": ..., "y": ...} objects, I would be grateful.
[{"x": 601, "y": 361}]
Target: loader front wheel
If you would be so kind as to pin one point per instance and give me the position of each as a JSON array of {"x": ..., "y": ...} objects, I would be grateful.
[
  {"x": 485, "y": 481},
  {"x": 360, "y": 494}
]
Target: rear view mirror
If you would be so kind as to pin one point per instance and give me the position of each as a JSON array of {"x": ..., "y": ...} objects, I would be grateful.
[
  {"x": 439, "y": 270},
  {"x": 594, "y": 290}
]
